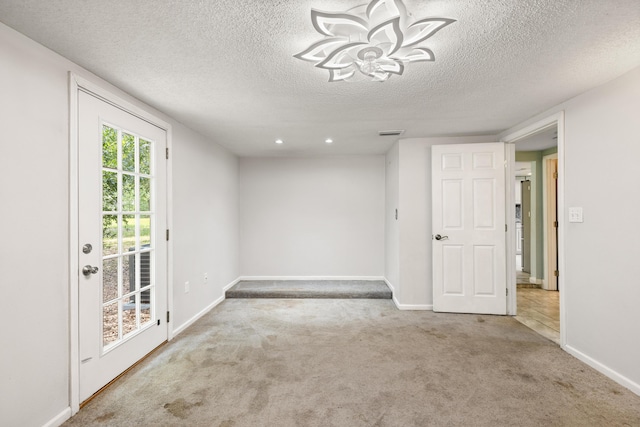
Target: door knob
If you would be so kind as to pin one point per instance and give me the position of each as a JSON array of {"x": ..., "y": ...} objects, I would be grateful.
[
  {"x": 88, "y": 270},
  {"x": 439, "y": 237}
]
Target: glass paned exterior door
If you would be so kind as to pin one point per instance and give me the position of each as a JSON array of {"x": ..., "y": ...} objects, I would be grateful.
[{"x": 128, "y": 252}]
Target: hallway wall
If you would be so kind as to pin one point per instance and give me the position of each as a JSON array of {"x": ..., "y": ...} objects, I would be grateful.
[
  {"x": 537, "y": 233},
  {"x": 599, "y": 283}
]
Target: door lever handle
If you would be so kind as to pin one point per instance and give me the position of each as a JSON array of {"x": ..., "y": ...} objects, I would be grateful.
[
  {"x": 88, "y": 270},
  {"x": 439, "y": 237}
]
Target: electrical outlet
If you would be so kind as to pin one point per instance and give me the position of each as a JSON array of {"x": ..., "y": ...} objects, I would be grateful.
[
  {"x": 205, "y": 278},
  {"x": 186, "y": 287}
]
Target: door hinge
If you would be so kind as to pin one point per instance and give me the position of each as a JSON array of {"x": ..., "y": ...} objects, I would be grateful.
[
  {"x": 556, "y": 273},
  {"x": 507, "y": 291},
  {"x": 555, "y": 224},
  {"x": 555, "y": 175},
  {"x": 167, "y": 153},
  {"x": 505, "y": 227},
  {"x": 167, "y": 234},
  {"x": 158, "y": 322},
  {"x": 168, "y": 317}
]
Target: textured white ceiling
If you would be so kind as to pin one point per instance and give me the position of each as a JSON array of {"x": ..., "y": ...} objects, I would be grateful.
[
  {"x": 226, "y": 69},
  {"x": 539, "y": 141}
]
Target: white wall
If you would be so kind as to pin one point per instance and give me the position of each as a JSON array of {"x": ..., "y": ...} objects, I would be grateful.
[
  {"x": 205, "y": 220},
  {"x": 599, "y": 282},
  {"x": 312, "y": 217},
  {"x": 415, "y": 289},
  {"x": 34, "y": 221}
]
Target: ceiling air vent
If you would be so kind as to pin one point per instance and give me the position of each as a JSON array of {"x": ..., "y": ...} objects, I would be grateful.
[{"x": 391, "y": 132}]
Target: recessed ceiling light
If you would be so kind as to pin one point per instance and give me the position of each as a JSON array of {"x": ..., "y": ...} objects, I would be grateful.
[
  {"x": 279, "y": 141},
  {"x": 329, "y": 141}
]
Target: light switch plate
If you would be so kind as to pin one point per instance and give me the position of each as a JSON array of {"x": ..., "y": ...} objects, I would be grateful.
[{"x": 575, "y": 215}]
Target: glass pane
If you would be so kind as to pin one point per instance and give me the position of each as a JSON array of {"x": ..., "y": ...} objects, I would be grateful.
[
  {"x": 145, "y": 231},
  {"x": 128, "y": 192},
  {"x": 128, "y": 152},
  {"x": 128, "y": 233},
  {"x": 145, "y": 269},
  {"x": 109, "y": 279},
  {"x": 145, "y": 194},
  {"x": 145, "y": 314},
  {"x": 145, "y": 156},
  {"x": 128, "y": 273},
  {"x": 109, "y": 147},
  {"x": 109, "y": 235},
  {"x": 110, "y": 323},
  {"x": 109, "y": 191},
  {"x": 129, "y": 322}
]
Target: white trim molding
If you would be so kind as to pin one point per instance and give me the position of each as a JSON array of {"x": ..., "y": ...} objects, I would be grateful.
[
  {"x": 59, "y": 419},
  {"x": 556, "y": 119},
  {"x": 389, "y": 284},
  {"x": 413, "y": 307},
  {"x": 230, "y": 285},
  {"x": 620, "y": 379},
  {"x": 198, "y": 315}
]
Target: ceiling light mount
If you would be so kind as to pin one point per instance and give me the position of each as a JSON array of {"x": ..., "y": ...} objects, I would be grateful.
[{"x": 371, "y": 41}]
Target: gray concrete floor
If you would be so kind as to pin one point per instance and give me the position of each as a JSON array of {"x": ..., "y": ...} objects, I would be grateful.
[{"x": 315, "y": 362}]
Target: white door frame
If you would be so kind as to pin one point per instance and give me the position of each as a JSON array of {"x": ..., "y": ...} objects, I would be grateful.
[
  {"x": 548, "y": 205},
  {"x": 77, "y": 83},
  {"x": 556, "y": 119}
]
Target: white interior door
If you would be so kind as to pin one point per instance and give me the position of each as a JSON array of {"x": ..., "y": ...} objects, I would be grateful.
[
  {"x": 123, "y": 251},
  {"x": 469, "y": 238}
]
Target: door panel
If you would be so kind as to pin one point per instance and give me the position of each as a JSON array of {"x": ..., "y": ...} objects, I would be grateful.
[
  {"x": 122, "y": 218},
  {"x": 469, "y": 266}
]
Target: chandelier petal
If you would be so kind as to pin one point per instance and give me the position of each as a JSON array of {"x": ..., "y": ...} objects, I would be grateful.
[
  {"x": 340, "y": 58},
  {"x": 385, "y": 8},
  {"x": 417, "y": 54},
  {"x": 392, "y": 66},
  {"x": 380, "y": 77},
  {"x": 332, "y": 24},
  {"x": 387, "y": 32},
  {"x": 338, "y": 75},
  {"x": 320, "y": 50},
  {"x": 423, "y": 29}
]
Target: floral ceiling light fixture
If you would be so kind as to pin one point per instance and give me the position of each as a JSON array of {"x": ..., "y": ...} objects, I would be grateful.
[{"x": 371, "y": 41}]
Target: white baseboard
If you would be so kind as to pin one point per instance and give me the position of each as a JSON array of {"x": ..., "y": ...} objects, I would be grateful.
[
  {"x": 416, "y": 307},
  {"x": 230, "y": 285},
  {"x": 59, "y": 419},
  {"x": 389, "y": 284},
  {"x": 423, "y": 307},
  {"x": 191, "y": 321},
  {"x": 310, "y": 278},
  {"x": 620, "y": 379}
]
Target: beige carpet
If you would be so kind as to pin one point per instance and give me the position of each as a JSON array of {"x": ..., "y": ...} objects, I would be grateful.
[{"x": 265, "y": 362}]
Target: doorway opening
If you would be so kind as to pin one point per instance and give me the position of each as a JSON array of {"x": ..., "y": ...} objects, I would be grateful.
[{"x": 536, "y": 260}]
